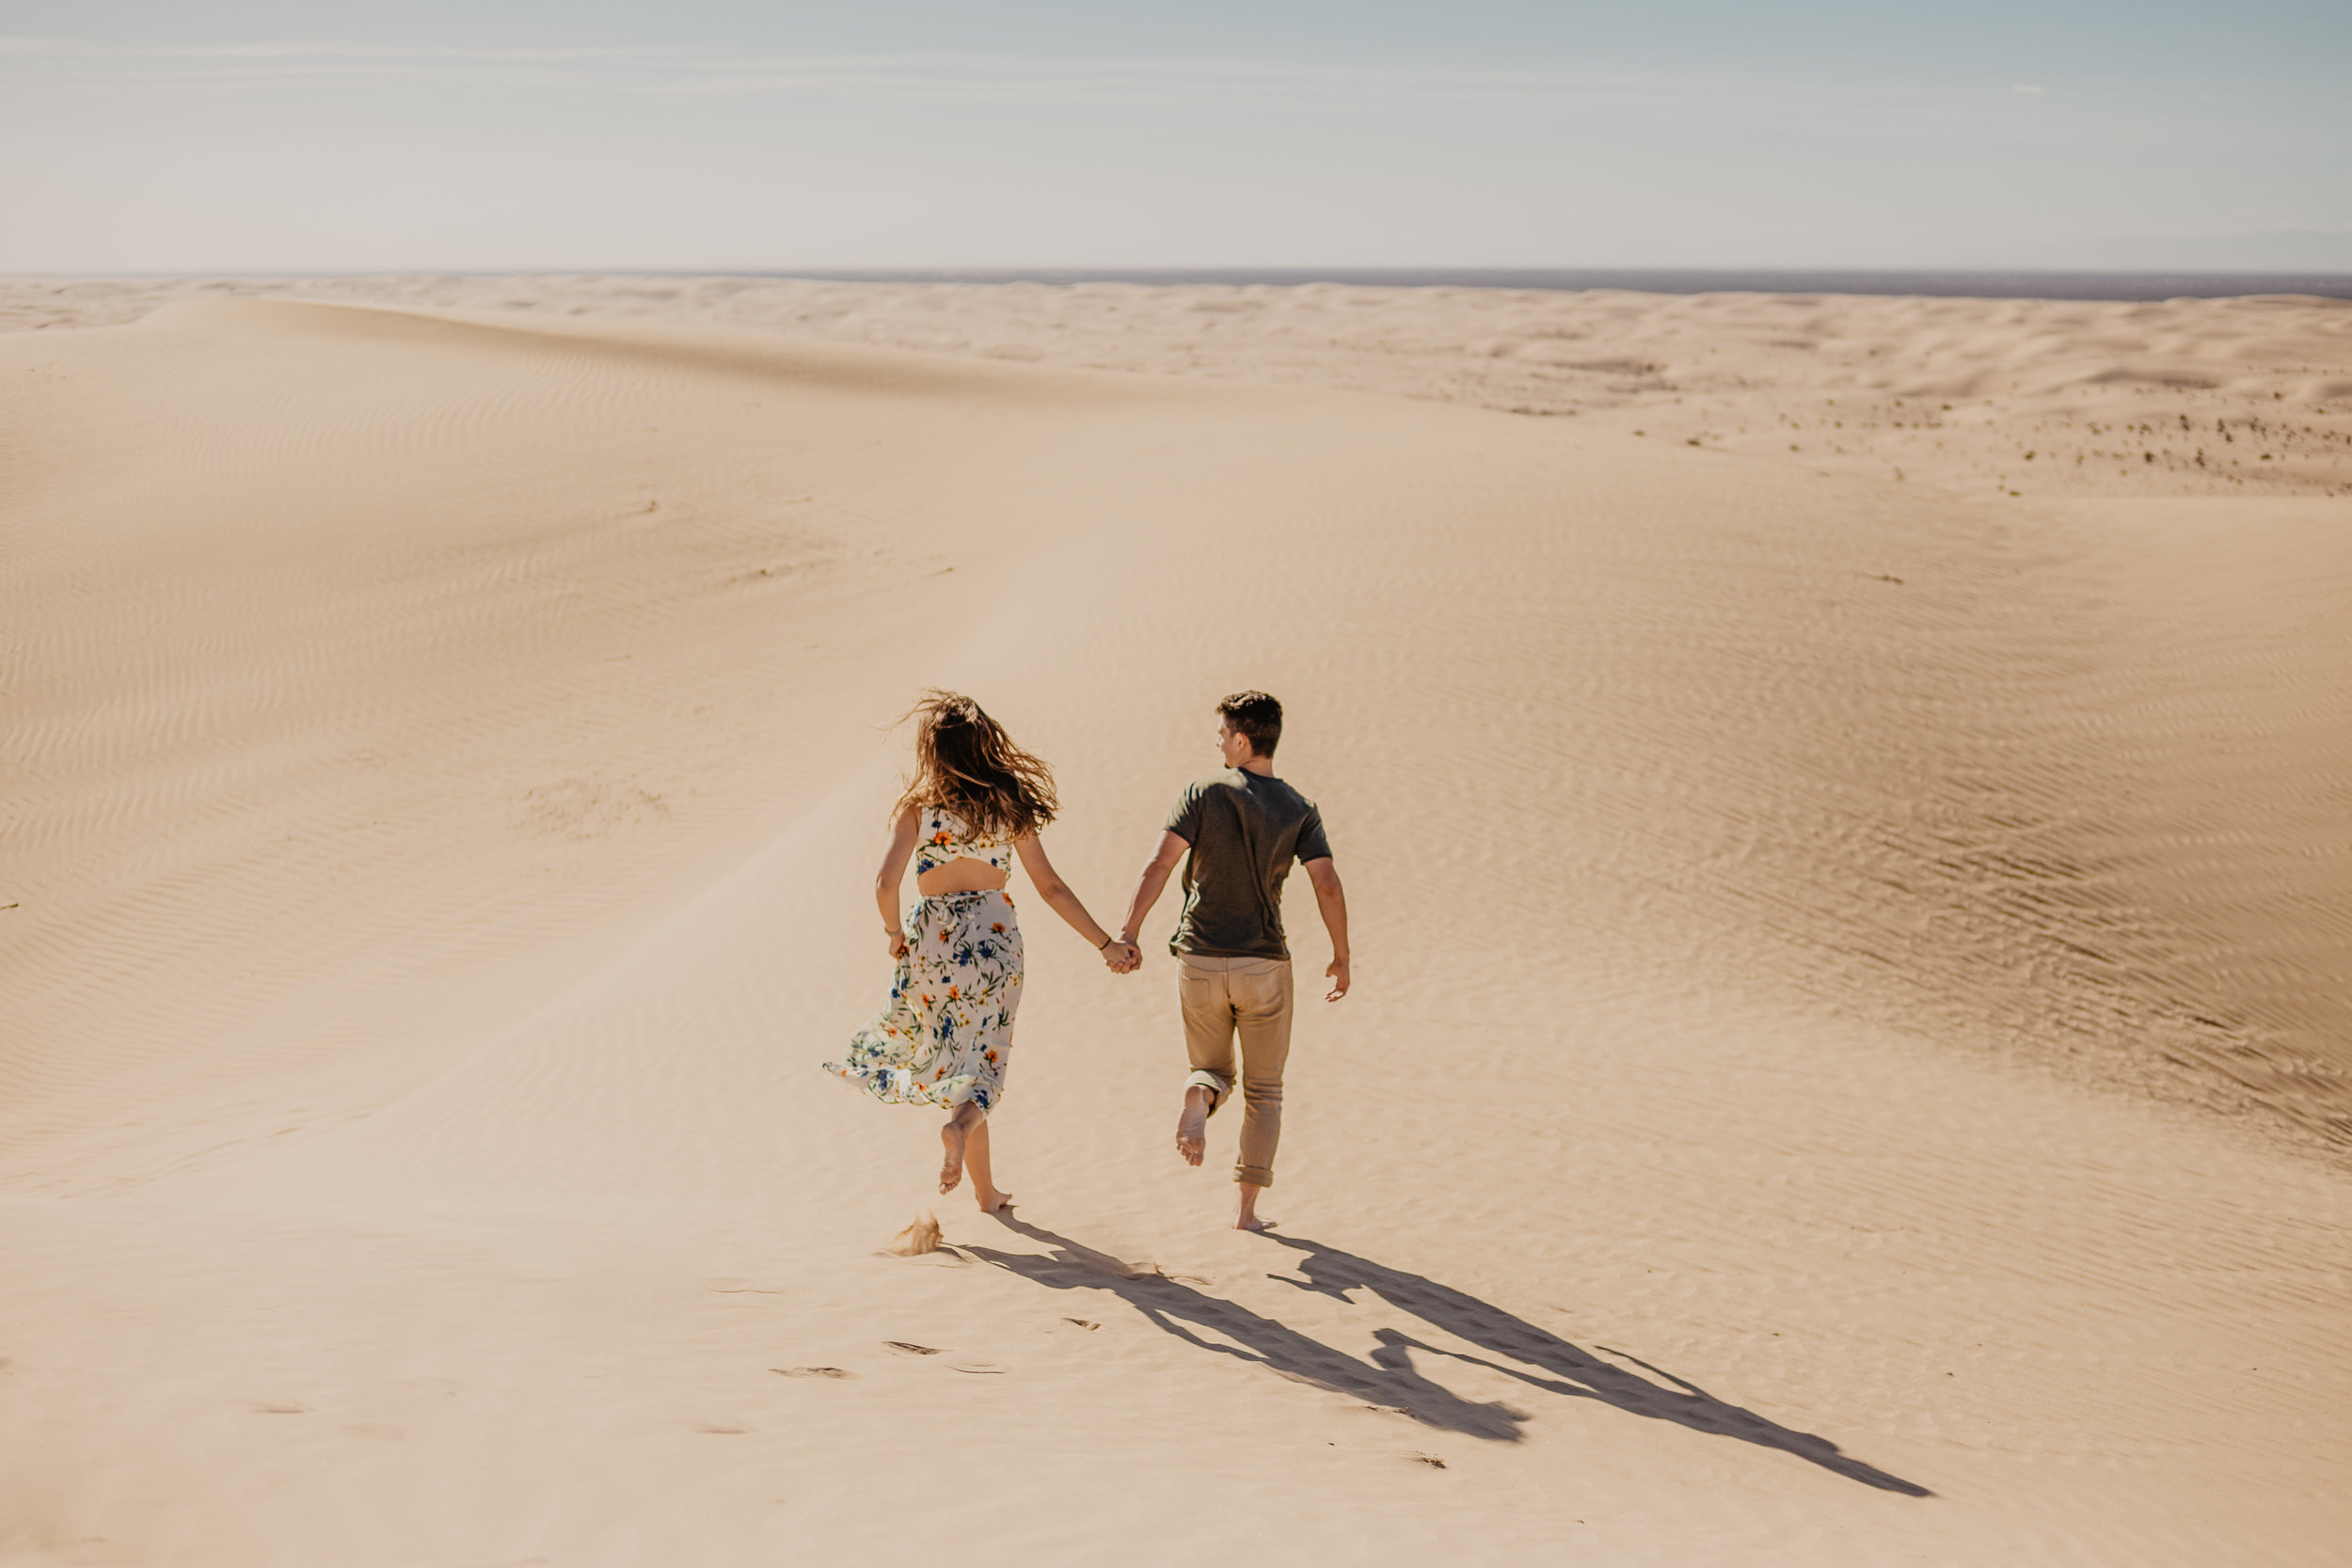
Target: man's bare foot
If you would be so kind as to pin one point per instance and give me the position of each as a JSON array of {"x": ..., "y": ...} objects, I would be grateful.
[
  {"x": 1192, "y": 1127},
  {"x": 952, "y": 1138},
  {"x": 1245, "y": 1207},
  {"x": 1251, "y": 1221},
  {"x": 993, "y": 1201}
]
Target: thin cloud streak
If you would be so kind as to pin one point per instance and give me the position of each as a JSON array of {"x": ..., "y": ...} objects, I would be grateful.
[
  {"x": 726, "y": 68},
  {"x": 641, "y": 71}
]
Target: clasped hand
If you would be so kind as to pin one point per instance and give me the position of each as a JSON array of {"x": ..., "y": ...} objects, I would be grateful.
[{"x": 1122, "y": 957}]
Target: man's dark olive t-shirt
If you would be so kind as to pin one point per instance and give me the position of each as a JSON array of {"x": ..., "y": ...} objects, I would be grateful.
[{"x": 1244, "y": 830}]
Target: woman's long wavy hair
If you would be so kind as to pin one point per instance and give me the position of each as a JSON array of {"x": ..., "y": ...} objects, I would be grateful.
[{"x": 965, "y": 762}]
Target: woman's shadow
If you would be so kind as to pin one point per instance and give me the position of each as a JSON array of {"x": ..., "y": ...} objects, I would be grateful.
[
  {"x": 1174, "y": 1306},
  {"x": 1387, "y": 1377}
]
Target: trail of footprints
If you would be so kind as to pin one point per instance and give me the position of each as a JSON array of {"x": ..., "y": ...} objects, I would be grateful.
[{"x": 907, "y": 1348}]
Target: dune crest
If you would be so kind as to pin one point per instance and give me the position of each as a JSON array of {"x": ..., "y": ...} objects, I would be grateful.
[{"x": 2002, "y": 397}]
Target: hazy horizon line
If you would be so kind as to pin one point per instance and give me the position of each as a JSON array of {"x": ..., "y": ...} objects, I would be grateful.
[{"x": 2080, "y": 283}]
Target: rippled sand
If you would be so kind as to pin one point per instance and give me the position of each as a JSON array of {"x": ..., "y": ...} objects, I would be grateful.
[{"x": 1849, "y": 1058}]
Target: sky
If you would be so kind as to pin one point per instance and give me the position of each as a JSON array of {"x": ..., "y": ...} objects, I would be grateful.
[{"x": 267, "y": 135}]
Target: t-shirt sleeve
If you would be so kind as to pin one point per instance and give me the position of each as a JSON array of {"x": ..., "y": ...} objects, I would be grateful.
[
  {"x": 1312, "y": 846},
  {"x": 1184, "y": 820}
]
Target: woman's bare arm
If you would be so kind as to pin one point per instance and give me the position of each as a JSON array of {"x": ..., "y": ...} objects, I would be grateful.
[
  {"x": 1057, "y": 893},
  {"x": 894, "y": 871}
]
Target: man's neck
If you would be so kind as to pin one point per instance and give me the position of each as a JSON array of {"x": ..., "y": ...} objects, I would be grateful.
[{"x": 1262, "y": 767}]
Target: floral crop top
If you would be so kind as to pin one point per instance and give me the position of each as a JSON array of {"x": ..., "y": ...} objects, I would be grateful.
[{"x": 942, "y": 836}]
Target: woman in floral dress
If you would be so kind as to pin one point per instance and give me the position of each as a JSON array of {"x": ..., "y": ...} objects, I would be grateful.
[{"x": 976, "y": 804}]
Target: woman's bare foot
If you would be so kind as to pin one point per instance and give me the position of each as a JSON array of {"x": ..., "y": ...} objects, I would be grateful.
[
  {"x": 983, "y": 1170},
  {"x": 1192, "y": 1127},
  {"x": 952, "y": 1138}
]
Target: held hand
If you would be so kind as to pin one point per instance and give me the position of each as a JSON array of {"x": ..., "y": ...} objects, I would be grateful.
[
  {"x": 1338, "y": 971},
  {"x": 1122, "y": 957},
  {"x": 897, "y": 943}
]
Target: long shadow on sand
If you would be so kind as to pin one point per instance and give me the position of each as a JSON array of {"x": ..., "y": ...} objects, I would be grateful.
[{"x": 1387, "y": 1377}]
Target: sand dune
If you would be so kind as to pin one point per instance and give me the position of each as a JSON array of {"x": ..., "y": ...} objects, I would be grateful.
[
  {"x": 2004, "y": 398},
  {"x": 1848, "y": 1058}
]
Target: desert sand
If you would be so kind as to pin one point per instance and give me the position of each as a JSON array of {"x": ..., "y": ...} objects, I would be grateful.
[{"x": 1851, "y": 1059}]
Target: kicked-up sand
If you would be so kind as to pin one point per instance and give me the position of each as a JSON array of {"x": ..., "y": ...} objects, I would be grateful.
[{"x": 1851, "y": 1059}]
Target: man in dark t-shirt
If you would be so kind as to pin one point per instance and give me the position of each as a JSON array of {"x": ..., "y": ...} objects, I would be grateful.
[{"x": 1238, "y": 833}]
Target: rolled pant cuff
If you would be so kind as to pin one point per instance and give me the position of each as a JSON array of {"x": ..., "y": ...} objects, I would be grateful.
[
  {"x": 1218, "y": 1088},
  {"x": 1255, "y": 1176}
]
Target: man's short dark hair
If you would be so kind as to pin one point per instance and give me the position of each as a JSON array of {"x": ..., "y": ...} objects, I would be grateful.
[{"x": 1257, "y": 716}]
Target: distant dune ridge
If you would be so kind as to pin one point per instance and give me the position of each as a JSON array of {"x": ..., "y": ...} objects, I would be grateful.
[
  {"x": 1849, "y": 1059},
  {"x": 2043, "y": 397}
]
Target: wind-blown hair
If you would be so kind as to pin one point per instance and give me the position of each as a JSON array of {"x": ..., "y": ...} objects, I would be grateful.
[{"x": 965, "y": 762}]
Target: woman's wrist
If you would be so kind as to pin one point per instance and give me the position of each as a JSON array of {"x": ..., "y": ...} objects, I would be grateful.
[{"x": 1104, "y": 942}]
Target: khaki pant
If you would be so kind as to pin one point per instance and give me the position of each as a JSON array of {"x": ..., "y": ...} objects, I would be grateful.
[{"x": 1251, "y": 997}]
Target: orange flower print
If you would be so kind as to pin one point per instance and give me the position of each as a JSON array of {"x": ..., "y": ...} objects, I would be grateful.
[
  {"x": 930, "y": 1047},
  {"x": 941, "y": 837}
]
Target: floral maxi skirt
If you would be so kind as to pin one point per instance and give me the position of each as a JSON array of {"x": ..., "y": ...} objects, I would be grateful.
[{"x": 945, "y": 1034}]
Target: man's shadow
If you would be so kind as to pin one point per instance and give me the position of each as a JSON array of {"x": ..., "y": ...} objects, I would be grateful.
[
  {"x": 1573, "y": 1371},
  {"x": 1387, "y": 1378}
]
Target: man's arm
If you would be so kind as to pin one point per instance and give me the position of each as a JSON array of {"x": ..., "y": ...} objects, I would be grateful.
[
  {"x": 1333, "y": 900},
  {"x": 1148, "y": 888}
]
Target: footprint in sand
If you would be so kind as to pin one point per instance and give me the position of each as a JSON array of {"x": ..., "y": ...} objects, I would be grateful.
[
  {"x": 961, "y": 1364},
  {"x": 1153, "y": 1271},
  {"x": 811, "y": 1371}
]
